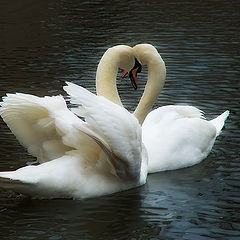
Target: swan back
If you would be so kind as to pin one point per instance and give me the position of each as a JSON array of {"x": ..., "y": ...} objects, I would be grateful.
[{"x": 179, "y": 136}]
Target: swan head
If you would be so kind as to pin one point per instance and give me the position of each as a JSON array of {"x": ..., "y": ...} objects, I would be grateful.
[
  {"x": 145, "y": 53},
  {"x": 122, "y": 56}
]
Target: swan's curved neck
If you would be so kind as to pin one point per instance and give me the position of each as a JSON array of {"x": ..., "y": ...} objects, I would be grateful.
[
  {"x": 114, "y": 58},
  {"x": 155, "y": 83},
  {"x": 123, "y": 57}
]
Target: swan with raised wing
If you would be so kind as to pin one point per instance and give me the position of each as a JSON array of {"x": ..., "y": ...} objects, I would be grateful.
[
  {"x": 40, "y": 123},
  {"x": 77, "y": 159},
  {"x": 113, "y": 160}
]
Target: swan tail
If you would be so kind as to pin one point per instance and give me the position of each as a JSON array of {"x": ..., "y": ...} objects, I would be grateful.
[{"x": 219, "y": 121}]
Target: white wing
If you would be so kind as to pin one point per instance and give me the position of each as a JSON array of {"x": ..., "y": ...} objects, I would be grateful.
[
  {"x": 39, "y": 123},
  {"x": 113, "y": 127}
]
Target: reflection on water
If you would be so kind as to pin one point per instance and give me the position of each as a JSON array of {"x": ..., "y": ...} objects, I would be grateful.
[{"x": 44, "y": 43}]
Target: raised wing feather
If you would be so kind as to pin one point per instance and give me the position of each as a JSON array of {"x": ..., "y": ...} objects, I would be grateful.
[
  {"x": 38, "y": 123},
  {"x": 119, "y": 129}
]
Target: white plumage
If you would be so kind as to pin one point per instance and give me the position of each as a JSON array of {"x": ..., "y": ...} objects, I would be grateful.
[
  {"x": 39, "y": 123},
  {"x": 106, "y": 153},
  {"x": 179, "y": 136},
  {"x": 175, "y": 136},
  {"x": 94, "y": 164}
]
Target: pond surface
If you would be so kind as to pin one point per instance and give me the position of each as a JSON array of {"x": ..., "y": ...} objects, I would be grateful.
[{"x": 44, "y": 43}]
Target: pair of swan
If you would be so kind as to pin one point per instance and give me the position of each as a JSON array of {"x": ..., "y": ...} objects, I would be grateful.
[{"x": 109, "y": 151}]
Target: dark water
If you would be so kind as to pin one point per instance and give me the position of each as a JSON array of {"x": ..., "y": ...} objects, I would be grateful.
[{"x": 44, "y": 43}]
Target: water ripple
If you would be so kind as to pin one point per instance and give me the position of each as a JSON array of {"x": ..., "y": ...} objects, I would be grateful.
[{"x": 45, "y": 43}]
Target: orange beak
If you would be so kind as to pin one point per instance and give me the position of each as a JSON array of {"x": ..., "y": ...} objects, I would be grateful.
[
  {"x": 133, "y": 73},
  {"x": 133, "y": 78}
]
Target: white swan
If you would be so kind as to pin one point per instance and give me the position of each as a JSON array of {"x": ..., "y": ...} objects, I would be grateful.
[
  {"x": 78, "y": 160},
  {"x": 114, "y": 159},
  {"x": 40, "y": 124},
  {"x": 174, "y": 136}
]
